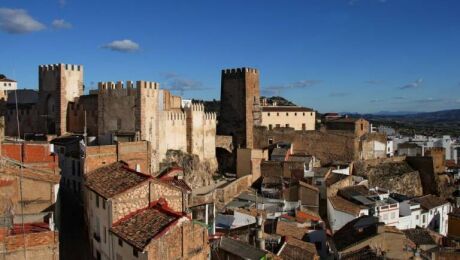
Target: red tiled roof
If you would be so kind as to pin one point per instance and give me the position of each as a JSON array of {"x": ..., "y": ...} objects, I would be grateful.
[
  {"x": 344, "y": 205},
  {"x": 430, "y": 201},
  {"x": 179, "y": 183},
  {"x": 140, "y": 227},
  {"x": 310, "y": 215},
  {"x": 29, "y": 240},
  {"x": 297, "y": 249},
  {"x": 114, "y": 179},
  {"x": 171, "y": 172}
]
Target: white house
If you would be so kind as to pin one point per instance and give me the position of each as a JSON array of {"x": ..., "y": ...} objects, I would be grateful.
[
  {"x": 7, "y": 84},
  {"x": 434, "y": 213},
  {"x": 341, "y": 211},
  {"x": 394, "y": 210}
]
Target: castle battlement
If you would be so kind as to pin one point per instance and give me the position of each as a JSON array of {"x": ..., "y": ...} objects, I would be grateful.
[
  {"x": 239, "y": 71},
  {"x": 140, "y": 84},
  {"x": 175, "y": 116},
  {"x": 210, "y": 116},
  {"x": 56, "y": 67},
  {"x": 197, "y": 107}
]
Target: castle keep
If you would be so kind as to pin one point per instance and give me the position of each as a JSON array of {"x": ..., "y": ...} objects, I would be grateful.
[
  {"x": 58, "y": 85},
  {"x": 240, "y": 96}
]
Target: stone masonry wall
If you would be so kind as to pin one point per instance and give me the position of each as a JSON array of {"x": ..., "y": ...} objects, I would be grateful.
[
  {"x": 130, "y": 201},
  {"x": 171, "y": 194},
  {"x": 325, "y": 146},
  {"x": 225, "y": 194}
]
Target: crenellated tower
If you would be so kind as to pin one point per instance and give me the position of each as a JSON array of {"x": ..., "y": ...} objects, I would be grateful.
[
  {"x": 58, "y": 85},
  {"x": 239, "y": 94},
  {"x": 201, "y": 131}
]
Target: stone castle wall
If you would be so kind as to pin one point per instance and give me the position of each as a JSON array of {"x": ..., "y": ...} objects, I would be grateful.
[
  {"x": 84, "y": 106},
  {"x": 326, "y": 146},
  {"x": 201, "y": 132}
]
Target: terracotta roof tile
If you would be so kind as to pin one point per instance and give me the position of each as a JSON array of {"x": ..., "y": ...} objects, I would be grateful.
[
  {"x": 179, "y": 183},
  {"x": 419, "y": 236},
  {"x": 344, "y": 205},
  {"x": 113, "y": 179},
  {"x": 429, "y": 201},
  {"x": 297, "y": 249},
  {"x": 140, "y": 227}
]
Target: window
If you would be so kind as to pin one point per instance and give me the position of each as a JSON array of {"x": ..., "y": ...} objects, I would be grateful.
[
  {"x": 362, "y": 127},
  {"x": 423, "y": 219},
  {"x": 270, "y": 141},
  {"x": 73, "y": 167},
  {"x": 295, "y": 114},
  {"x": 304, "y": 127},
  {"x": 277, "y": 114},
  {"x": 287, "y": 125},
  {"x": 120, "y": 242},
  {"x": 103, "y": 203},
  {"x": 135, "y": 253},
  {"x": 311, "y": 113},
  {"x": 417, "y": 217},
  {"x": 287, "y": 114},
  {"x": 105, "y": 235},
  {"x": 78, "y": 168},
  {"x": 303, "y": 114},
  {"x": 97, "y": 201},
  {"x": 278, "y": 125},
  {"x": 268, "y": 114},
  {"x": 270, "y": 127}
]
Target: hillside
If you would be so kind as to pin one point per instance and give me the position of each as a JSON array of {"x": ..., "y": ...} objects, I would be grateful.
[{"x": 446, "y": 122}]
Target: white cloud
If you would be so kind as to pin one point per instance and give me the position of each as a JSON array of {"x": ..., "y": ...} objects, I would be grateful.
[
  {"x": 61, "y": 24},
  {"x": 122, "y": 46},
  {"x": 17, "y": 21},
  {"x": 412, "y": 85}
]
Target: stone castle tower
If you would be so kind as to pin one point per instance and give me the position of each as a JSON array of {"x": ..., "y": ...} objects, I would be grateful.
[
  {"x": 239, "y": 96},
  {"x": 59, "y": 84}
]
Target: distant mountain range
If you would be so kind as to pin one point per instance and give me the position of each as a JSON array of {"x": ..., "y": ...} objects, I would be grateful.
[
  {"x": 451, "y": 115},
  {"x": 443, "y": 115},
  {"x": 445, "y": 122}
]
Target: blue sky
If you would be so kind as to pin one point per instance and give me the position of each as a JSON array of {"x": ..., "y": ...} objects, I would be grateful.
[{"x": 358, "y": 55}]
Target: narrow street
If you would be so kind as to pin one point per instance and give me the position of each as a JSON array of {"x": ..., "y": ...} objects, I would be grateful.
[{"x": 73, "y": 241}]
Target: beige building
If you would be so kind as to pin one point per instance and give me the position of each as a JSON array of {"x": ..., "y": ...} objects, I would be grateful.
[
  {"x": 6, "y": 85},
  {"x": 299, "y": 118}
]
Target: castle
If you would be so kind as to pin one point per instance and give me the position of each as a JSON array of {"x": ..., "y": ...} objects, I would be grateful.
[{"x": 115, "y": 112}]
